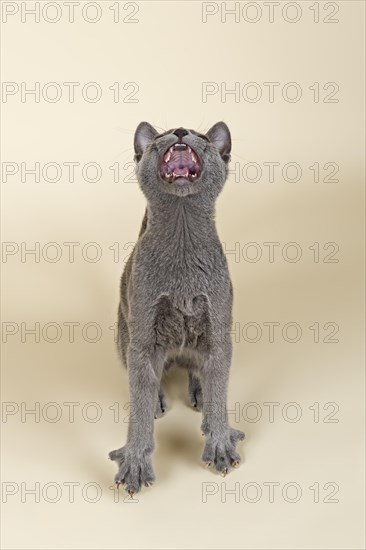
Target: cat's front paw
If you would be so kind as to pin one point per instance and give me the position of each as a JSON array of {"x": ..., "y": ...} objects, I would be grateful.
[
  {"x": 134, "y": 469},
  {"x": 220, "y": 452}
]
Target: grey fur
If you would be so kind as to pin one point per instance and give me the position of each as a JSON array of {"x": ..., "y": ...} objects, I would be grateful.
[{"x": 176, "y": 302}]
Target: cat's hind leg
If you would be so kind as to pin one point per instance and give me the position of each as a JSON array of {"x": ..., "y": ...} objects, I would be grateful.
[
  {"x": 195, "y": 391},
  {"x": 161, "y": 405}
]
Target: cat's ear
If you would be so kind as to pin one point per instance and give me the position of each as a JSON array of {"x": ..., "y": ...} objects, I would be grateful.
[
  {"x": 220, "y": 137},
  {"x": 145, "y": 133}
]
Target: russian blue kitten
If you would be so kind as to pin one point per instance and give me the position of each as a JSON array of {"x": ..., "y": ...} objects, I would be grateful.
[{"x": 176, "y": 296}]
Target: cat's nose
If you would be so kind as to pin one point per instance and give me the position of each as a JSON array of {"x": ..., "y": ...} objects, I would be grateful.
[{"x": 180, "y": 132}]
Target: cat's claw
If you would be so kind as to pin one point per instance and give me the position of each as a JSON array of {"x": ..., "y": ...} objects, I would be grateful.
[
  {"x": 134, "y": 469},
  {"x": 220, "y": 450}
]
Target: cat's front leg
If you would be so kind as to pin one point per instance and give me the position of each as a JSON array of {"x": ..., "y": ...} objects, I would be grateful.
[
  {"x": 134, "y": 459},
  {"x": 220, "y": 447}
]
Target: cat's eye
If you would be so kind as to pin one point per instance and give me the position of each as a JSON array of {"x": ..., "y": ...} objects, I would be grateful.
[{"x": 203, "y": 137}]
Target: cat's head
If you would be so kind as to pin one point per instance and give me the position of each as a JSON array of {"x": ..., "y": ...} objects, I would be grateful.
[{"x": 182, "y": 162}]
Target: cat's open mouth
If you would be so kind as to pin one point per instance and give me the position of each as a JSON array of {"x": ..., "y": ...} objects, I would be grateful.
[{"x": 180, "y": 161}]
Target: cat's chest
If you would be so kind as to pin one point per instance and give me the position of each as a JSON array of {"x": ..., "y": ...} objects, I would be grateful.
[
  {"x": 180, "y": 267},
  {"x": 182, "y": 324},
  {"x": 180, "y": 261},
  {"x": 180, "y": 278}
]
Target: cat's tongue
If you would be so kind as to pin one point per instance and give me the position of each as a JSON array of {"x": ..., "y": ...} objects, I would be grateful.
[
  {"x": 181, "y": 172},
  {"x": 180, "y": 161}
]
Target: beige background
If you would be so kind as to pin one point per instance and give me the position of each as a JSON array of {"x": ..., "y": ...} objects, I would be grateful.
[{"x": 169, "y": 53}]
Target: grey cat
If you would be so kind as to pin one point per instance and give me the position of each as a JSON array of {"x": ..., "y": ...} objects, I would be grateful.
[{"x": 176, "y": 296}]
